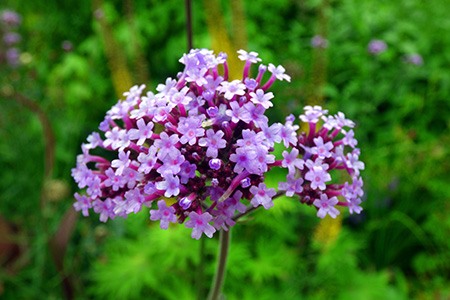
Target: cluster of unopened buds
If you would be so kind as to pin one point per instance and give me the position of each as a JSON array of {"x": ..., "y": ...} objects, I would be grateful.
[
  {"x": 198, "y": 151},
  {"x": 9, "y": 38}
]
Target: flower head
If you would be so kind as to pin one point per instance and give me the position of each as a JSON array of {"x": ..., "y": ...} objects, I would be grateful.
[
  {"x": 319, "y": 41},
  {"x": 376, "y": 47},
  {"x": 206, "y": 143}
]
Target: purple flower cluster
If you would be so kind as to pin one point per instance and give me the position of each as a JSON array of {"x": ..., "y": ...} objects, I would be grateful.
[
  {"x": 376, "y": 47},
  {"x": 319, "y": 41},
  {"x": 414, "y": 59},
  {"x": 199, "y": 149},
  {"x": 9, "y": 53}
]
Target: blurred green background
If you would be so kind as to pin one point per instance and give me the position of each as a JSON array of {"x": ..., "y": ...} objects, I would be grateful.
[{"x": 75, "y": 60}]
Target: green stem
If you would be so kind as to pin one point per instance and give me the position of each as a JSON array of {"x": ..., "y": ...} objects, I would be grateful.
[
  {"x": 201, "y": 272},
  {"x": 216, "y": 287}
]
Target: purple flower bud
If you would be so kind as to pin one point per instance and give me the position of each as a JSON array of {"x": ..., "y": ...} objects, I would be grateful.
[
  {"x": 215, "y": 164},
  {"x": 212, "y": 111},
  {"x": 250, "y": 83},
  {"x": 185, "y": 203},
  {"x": 208, "y": 95},
  {"x": 245, "y": 183},
  {"x": 196, "y": 156}
]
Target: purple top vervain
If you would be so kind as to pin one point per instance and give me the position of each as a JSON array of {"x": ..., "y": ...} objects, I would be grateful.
[{"x": 205, "y": 142}]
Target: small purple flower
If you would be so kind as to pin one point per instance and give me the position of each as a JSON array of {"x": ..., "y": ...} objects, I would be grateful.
[
  {"x": 291, "y": 161},
  {"x": 166, "y": 145},
  {"x": 12, "y": 38},
  {"x": 231, "y": 89},
  {"x": 170, "y": 184},
  {"x": 191, "y": 129},
  {"x": 83, "y": 204},
  {"x": 148, "y": 160},
  {"x": 187, "y": 171},
  {"x": 279, "y": 72},
  {"x": 248, "y": 56},
  {"x": 259, "y": 97},
  {"x": 164, "y": 214},
  {"x": 354, "y": 205},
  {"x": 10, "y": 18},
  {"x": 13, "y": 57},
  {"x": 104, "y": 208},
  {"x": 349, "y": 139},
  {"x": 255, "y": 114},
  {"x": 235, "y": 202},
  {"x": 326, "y": 206},
  {"x": 292, "y": 186},
  {"x": 322, "y": 150},
  {"x": 376, "y": 47},
  {"x": 171, "y": 166},
  {"x": 262, "y": 196},
  {"x": 288, "y": 134},
  {"x": 143, "y": 132},
  {"x": 414, "y": 59},
  {"x": 319, "y": 41},
  {"x": 312, "y": 114},
  {"x": 318, "y": 176},
  {"x": 213, "y": 141},
  {"x": 244, "y": 159},
  {"x": 200, "y": 224},
  {"x": 238, "y": 113},
  {"x": 114, "y": 181},
  {"x": 135, "y": 200},
  {"x": 121, "y": 163},
  {"x": 354, "y": 163},
  {"x": 272, "y": 134}
]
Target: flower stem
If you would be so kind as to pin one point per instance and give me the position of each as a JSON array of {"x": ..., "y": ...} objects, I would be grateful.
[
  {"x": 219, "y": 276},
  {"x": 200, "y": 272}
]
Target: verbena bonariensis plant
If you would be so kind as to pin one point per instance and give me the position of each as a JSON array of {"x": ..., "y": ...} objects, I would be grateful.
[{"x": 198, "y": 151}]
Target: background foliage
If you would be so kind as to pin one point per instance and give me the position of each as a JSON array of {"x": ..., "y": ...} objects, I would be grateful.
[{"x": 77, "y": 57}]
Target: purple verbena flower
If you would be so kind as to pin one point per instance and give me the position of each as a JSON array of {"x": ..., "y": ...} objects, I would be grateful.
[
  {"x": 200, "y": 224},
  {"x": 326, "y": 206},
  {"x": 262, "y": 196},
  {"x": 318, "y": 176},
  {"x": 143, "y": 132},
  {"x": 206, "y": 143},
  {"x": 83, "y": 204},
  {"x": 291, "y": 161},
  {"x": 164, "y": 214},
  {"x": 231, "y": 89},
  {"x": 292, "y": 185},
  {"x": 377, "y": 46},
  {"x": 213, "y": 141},
  {"x": 319, "y": 41},
  {"x": 259, "y": 97}
]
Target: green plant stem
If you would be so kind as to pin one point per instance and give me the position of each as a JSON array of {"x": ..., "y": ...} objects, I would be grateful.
[
  {"x": 219, "y": 276},
  {"x": 201, "y": 272}
]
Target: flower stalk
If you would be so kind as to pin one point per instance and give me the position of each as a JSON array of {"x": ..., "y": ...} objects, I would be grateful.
[{"x": 219, "y": 276}]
